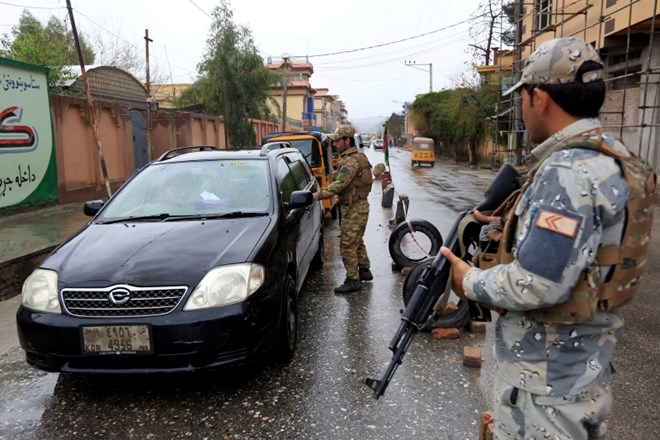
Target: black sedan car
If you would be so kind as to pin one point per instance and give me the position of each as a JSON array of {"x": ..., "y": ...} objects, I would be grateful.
[{"x": 196, "y": 262}]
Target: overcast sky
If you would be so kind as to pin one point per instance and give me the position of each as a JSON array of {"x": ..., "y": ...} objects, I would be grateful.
[{"x": 368, "y": 72}]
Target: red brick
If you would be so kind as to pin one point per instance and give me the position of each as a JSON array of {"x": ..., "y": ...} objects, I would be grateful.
[
  {"x": 446, "y": 333},
  {"x": 471, "y": 357},
  {"x": 486, "y": 428}
]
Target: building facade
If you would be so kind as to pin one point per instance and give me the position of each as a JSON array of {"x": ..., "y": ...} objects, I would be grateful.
[{"x": 623, "y": 32}]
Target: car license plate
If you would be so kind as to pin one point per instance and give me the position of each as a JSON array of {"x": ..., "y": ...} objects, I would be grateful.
[{"x": 117, "y": 339}]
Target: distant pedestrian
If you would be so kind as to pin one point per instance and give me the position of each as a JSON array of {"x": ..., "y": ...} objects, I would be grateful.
[
  {"x": 572, "y": 251},
  {"x": 352, "y": 185}
]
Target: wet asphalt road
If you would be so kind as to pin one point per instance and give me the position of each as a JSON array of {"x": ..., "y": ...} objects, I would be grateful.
[{"x": 319, "y": 394}]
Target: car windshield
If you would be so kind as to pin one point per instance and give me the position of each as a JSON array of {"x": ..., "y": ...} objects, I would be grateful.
[{"x": 195, "y": 188}]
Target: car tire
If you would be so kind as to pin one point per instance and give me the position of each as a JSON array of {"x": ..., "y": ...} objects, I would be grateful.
[
  {"x": 397, "y": 236},
  {"x": 318, "y": 260},
  {"x": 288, "y": 335},
  {"x": 456, "y": 319}
]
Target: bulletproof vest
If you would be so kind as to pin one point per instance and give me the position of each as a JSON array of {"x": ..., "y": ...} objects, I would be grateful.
[
  {"x": 363, "y": 179},
  {"x": 628, "y": 260}
]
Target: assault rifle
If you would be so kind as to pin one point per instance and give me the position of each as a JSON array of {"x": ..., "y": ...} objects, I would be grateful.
[{"x": 432, "y": 282}]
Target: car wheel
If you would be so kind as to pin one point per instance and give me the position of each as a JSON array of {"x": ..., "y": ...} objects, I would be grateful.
[
  {"x": 318, "y": 259},
  {"x": 288, "y": 336},
  {"x": 412, "y": 163},
  {"x": 413, "y": 241},
  {"x": 432, "y": 164},
  {"x": 458, "y": 317}
]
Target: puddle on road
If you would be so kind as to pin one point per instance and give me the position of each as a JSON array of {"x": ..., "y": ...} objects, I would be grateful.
[{"x": 26, "y": 394}]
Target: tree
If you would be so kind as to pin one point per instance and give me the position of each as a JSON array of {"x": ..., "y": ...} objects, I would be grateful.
[
  {"x": 233, "y": 79},
  {"x": 455, "y": 116},
  {"x": 394, "y": 126},
  {"x": 52, "y": 45},
  {"x": 493, "y": 26}
]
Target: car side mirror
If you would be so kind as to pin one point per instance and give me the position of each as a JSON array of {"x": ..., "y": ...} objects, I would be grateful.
[
  {"x": 300, "y": 199},
  {"x": 92, "y": 207}
]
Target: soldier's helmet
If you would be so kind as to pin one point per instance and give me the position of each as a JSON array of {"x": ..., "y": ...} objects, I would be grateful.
[
  {"x": 378, "y": 170},
  {"x": 344, "y": 131},
  {"x": 557, "y": 62}
]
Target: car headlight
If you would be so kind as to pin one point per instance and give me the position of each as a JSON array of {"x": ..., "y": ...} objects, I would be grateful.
[
  {"x": 40, "y": 291},
  {"x": 226, "y": 285}
]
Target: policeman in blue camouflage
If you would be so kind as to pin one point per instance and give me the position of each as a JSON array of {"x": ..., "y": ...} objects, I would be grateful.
[
  {"x": 553, "y": 376},
  {"x": 352, "y": 184}
]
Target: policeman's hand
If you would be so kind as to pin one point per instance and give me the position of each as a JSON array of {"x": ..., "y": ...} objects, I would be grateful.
[
  {"x": 481, "y": 218},
  {"x": 315, "y": 195},
  {"x": 459, "y": 267}
]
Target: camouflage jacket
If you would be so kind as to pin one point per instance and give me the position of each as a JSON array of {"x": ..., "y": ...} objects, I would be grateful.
[
  {"x": 587, "y": 193},
  {"x": 347, "y": 171}
]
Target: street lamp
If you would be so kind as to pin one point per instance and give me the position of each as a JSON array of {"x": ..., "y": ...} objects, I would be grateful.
[{"x": 414, "y": 65}]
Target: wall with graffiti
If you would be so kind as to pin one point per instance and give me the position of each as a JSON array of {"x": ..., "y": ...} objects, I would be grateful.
[{"x": 27, "y": 154}]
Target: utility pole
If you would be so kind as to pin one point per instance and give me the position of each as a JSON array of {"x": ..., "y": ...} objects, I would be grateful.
[
  {"x": 90, "y": 102},
  {"x": 150, "y": 154},
  {"x": 285, "y": 83},
  {"x": 414, "y": 65}
]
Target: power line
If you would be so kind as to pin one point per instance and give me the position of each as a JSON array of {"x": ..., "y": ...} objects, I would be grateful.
[
  {"x": 32, "y": 7},
  {"x": 203, "y": 11},
  {"x": 391, "y": 42}
]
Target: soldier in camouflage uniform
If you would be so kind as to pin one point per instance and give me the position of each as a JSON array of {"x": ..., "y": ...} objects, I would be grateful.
[
  {"x": 553, "y": 375},
  {"x": 352, "y": 184}
]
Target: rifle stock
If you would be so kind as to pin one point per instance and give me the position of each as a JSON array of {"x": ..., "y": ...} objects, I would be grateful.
[{"x": 433, "y": 281}]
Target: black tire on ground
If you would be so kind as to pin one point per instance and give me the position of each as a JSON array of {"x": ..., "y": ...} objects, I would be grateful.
[
  {"x": 288, "y": 336},
  {"x": 459, "y": 318},
  {"x": 432, "y": 164},
  {"x": 420, "y": 227},
  {"x": 410, "y": 281},
  {"x": 318, "y": 260}
]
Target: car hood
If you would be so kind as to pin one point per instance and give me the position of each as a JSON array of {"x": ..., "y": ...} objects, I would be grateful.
[{"x": 142, "y": 254}]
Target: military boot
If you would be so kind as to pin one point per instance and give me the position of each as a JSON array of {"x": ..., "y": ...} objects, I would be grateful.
[
  {"x": 349, "y": 286},
  {"x": 365, "y": 275}
]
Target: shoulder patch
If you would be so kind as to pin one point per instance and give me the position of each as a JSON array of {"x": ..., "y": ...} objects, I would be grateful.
[{"x": 559, "y": 223}]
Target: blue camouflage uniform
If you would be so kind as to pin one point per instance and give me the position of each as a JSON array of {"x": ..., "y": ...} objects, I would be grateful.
[{"x": 553, "y": 378}]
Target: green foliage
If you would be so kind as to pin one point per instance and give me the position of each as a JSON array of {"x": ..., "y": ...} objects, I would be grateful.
[
  {"x": 455, "y": 116},
  {"x": 51, "y": 46},
  {"x": 233, "y": 79},
  {"x": 394, "y": 126}
]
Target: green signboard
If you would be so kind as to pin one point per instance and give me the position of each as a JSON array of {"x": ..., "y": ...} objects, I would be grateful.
[{"x": 27, "y": 153}]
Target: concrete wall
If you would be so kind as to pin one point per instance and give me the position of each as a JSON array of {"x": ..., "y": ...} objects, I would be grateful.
[{"x": 79, "y": 172}]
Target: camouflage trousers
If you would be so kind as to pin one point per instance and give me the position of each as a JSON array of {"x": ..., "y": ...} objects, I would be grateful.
[
  {"x": 523, "y": 415},
  {"x": 351, "y": 244}
]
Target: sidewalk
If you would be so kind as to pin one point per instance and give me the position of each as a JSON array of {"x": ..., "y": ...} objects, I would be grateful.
[{"x": 28, "y": 237}]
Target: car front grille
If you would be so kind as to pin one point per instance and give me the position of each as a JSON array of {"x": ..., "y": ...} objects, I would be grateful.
[{"x": 122, "y": 301}]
